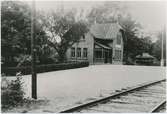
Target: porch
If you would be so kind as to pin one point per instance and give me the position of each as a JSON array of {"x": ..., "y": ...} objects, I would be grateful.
[{"x": 102, "y": 53}]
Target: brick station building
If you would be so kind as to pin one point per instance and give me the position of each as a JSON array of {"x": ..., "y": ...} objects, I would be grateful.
[{"x": 102, "y": 44}]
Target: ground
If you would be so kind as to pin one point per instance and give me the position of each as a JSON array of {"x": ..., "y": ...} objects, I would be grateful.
[{"x": 67, "y": 88}]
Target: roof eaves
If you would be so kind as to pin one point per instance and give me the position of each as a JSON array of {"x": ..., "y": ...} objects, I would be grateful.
[{"x": 103, "y": 46}]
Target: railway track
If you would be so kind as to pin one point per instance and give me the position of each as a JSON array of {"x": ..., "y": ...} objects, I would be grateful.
[
  {"x": 159, "y": 108},
  {"x": 148, "y": 97}
]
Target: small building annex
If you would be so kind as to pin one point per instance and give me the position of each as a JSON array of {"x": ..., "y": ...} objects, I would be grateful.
[
  {"x": 102, "y": 44},
  {"x": 144, "y": 59}
]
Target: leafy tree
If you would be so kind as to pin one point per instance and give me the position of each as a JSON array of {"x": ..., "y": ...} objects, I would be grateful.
[
  {"x": 14, "y": 21},
  {"x": 134, "y": 44},
  {"x": 147, "y": 44},
  {"x": 131, "y": 42},
  {"x": 157, "y": 46},
  {"x": 63, "y": 31},
  {"x": 16, "y": 30}
]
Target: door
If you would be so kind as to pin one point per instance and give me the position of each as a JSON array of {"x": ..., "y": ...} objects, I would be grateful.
[
  {"x": 106, "y": 56},
  {"x": 110, "y": 56}
]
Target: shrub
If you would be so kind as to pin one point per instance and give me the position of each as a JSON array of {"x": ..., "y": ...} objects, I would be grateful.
[
  {"x": 44, "y": 68},
  {"x": 12, "y": 93}
]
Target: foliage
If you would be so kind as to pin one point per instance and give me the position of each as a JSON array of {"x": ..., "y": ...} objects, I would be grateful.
[
  {"x": 15, "y": 20},
  {"x": 157, "y": 46},
  {"x": 63, "y": 31},
  {"x": 131, "y": 42},
  {"x": 57, "y": 31},
  {"x": 9, "y": 71},
  {"x": 16, "y": 32},
  {"x": 12, "y": 93}
]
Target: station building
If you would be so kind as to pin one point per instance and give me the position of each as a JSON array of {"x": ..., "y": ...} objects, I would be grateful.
[{"x": 102, "y": 44}]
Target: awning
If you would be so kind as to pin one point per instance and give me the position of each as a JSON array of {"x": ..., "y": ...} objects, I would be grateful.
[{"x": 102, "y": 45}]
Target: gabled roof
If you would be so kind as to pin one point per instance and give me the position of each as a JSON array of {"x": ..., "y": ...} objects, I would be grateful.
[{"x": 105, "y": 31}]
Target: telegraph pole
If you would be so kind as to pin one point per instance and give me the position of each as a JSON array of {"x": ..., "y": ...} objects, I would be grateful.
[
  {"x": 162, "y": 48},
  {"x": 33, "y": 69}
]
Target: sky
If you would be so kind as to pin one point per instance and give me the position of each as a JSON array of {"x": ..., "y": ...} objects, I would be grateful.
[{"x": 150, "y": 14}]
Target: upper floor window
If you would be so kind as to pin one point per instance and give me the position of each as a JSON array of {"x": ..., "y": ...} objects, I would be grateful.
[
  {"x": 119, "y": 39},
  {"x": 78, "y": 52},
  {"x": 72, "y": 52},
  {"x": 85, "y": 52}
]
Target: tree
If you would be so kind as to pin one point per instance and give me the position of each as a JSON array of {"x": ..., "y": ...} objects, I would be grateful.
[
  {"x": 14, "y": 22},
  {"x": 147, "y": 44},
  {"x": 131, "y": 42},
  {"x": 63, "y": 31},
  {"x": 157, "y": 46},
  {"x": 16, "y": 28},
  {"x": 105, "y": 13}
]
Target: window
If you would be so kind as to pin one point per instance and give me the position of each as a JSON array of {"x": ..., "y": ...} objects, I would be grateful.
[
  {"x": 78, "y": 52},
  {"x": 117, "y": 54},
  {"x": 98, "y": 53},
  {"x": 119, "y": 39},
  {"x": 72, "y": 52},
  {"x": 85, "y": 52}
]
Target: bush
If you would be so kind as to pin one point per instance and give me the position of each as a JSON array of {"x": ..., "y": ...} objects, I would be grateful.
[
  {"x": 128, "y": 61},
  {"x": 43, "y": 68},
  {"x": 12, "y": 93}
]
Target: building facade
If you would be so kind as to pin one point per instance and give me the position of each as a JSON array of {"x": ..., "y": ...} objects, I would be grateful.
[{"x": 102, "y": 44}]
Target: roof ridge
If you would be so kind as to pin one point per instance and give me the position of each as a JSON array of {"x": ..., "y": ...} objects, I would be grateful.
[{"x": 104, "y": 23}]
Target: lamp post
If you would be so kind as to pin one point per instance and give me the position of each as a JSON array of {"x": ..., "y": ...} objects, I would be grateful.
[{"x": 33, "y": 70}]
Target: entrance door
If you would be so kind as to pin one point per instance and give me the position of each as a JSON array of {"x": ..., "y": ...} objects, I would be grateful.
[
  {"x": 110, "y": 56},
  {"x": 106, "y": 56}
]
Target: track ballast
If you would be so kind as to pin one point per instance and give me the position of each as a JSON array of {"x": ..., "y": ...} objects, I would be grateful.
[{"x": 143, "y": 98}]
